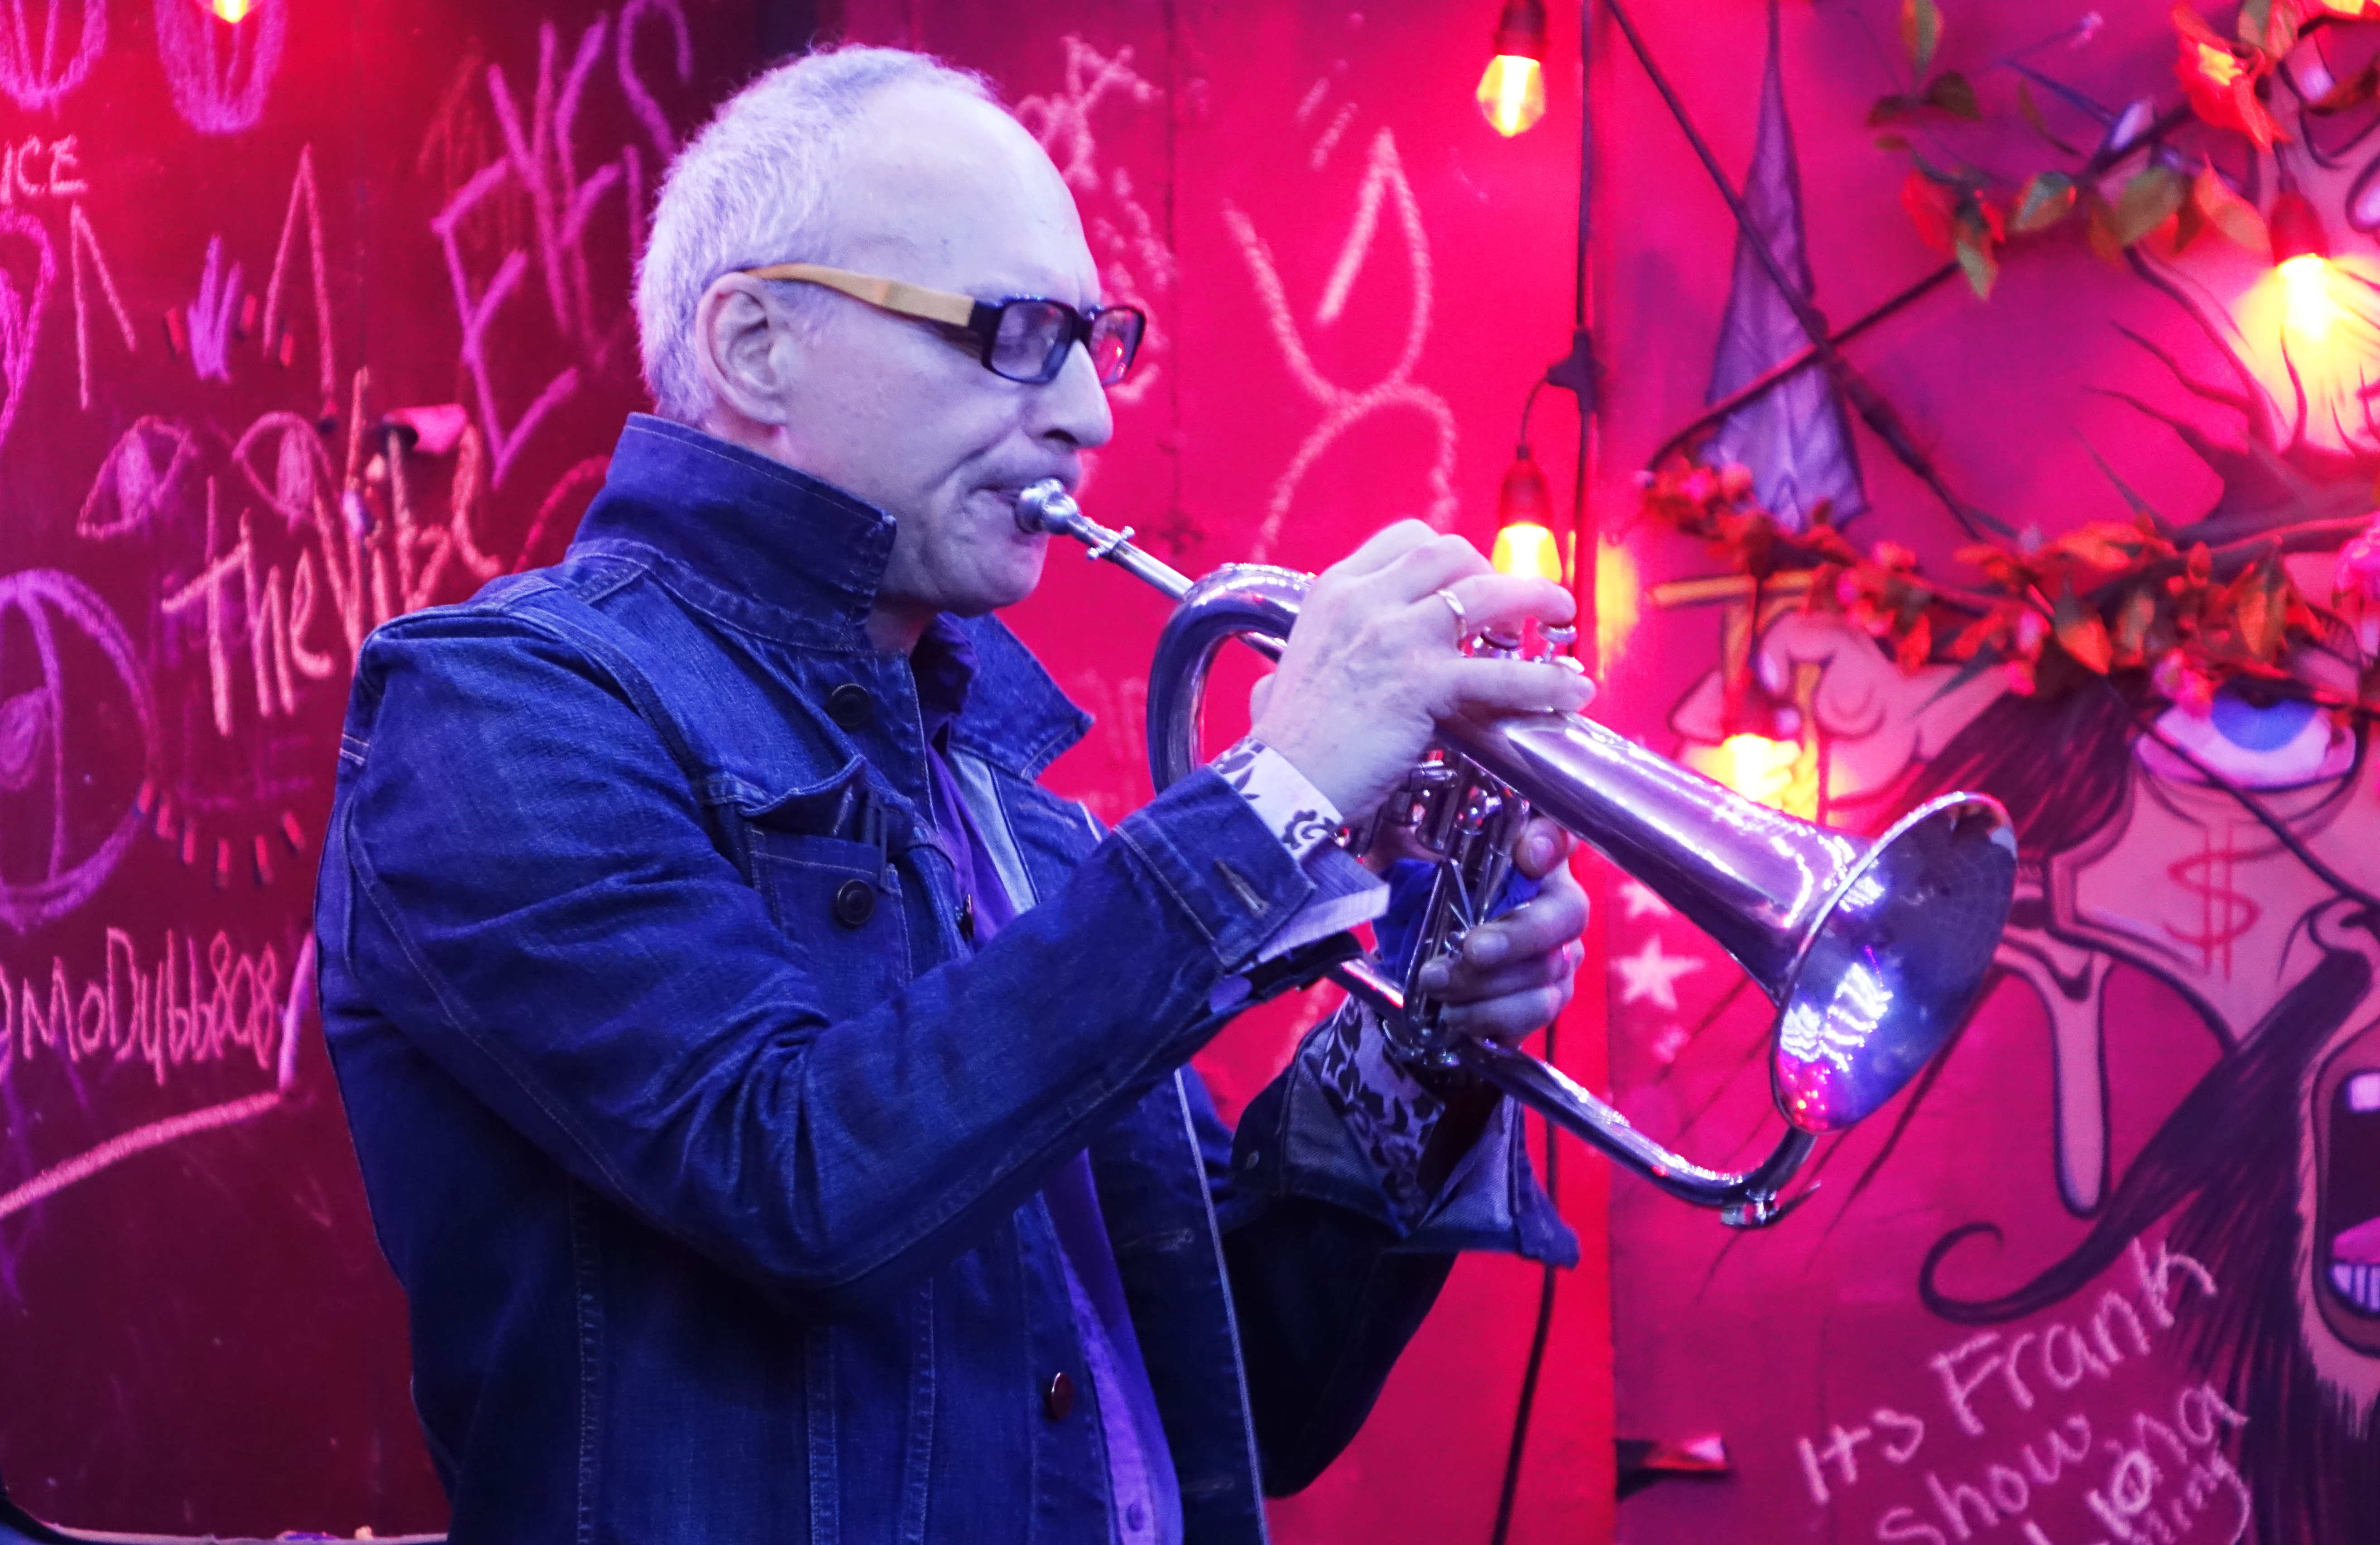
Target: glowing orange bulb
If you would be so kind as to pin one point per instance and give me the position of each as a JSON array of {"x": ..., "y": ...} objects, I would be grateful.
[
  {"x": 2305, "y": 290},
  {"x": 1527, "y": 548},
  {"x": 231, "y": 11},
  {"x": 1512, "y": 93},
  {"x": 1757, "y": 768}
]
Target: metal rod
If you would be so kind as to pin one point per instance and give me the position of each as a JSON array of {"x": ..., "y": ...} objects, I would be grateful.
[{"x": 1793, "y": 365}]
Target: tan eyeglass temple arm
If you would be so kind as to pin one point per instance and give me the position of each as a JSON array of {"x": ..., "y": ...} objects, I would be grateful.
[{"x": 891, "y": 295}]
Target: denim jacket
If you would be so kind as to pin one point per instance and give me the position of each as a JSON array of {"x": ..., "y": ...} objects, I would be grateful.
[{"x": 710, "y": 1159}]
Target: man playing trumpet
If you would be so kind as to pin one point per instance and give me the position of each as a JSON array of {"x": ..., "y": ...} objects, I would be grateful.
[{"x": 775, "y": 1103}]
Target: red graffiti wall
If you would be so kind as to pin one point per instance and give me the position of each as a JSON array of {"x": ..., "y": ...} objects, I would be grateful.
[
  {"x": 231, "y": 256},
  {"x": 314, "y": 319}
]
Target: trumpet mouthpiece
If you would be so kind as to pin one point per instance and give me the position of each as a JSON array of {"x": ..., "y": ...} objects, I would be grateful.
[{"x": 1045, "y": 506}]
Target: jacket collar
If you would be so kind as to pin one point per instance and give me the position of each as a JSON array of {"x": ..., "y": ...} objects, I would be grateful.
[
  {"x": 777, "y": 552},
  {"x": 780, "y": 552}
]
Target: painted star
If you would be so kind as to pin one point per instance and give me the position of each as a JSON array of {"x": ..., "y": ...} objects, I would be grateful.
[
  {"x": 1650, "y": 976},
  {"x": 1641, "y": 900}
]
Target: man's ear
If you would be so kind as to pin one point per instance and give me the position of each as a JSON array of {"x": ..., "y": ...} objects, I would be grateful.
[{"x": 737, "y": 326}]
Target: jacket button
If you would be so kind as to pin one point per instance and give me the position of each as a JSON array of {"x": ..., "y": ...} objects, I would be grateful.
[
  {"x": 850, "y": 706},
  {"x": 855, "y": 903},
  {"x": 1059, "y": 1398}
]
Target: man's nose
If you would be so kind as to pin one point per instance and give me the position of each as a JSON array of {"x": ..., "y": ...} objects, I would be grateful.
[{"x": 1074, "y": 406}]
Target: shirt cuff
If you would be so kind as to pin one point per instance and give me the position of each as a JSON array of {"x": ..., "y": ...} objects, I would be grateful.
[{"x": 1294, "y": 808}]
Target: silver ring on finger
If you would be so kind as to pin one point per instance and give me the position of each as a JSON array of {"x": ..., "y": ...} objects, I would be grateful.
[{"x": 1462, "y": 618}]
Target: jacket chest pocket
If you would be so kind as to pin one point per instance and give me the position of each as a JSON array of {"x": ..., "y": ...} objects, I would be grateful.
[{"x": 839, "y": 904}]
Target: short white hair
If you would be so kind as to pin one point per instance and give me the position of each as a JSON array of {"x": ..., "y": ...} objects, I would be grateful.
[{"x": 756, "y": 187}]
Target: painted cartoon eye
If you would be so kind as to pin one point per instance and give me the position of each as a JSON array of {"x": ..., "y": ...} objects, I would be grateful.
[{"x": 2255, "y": 736}]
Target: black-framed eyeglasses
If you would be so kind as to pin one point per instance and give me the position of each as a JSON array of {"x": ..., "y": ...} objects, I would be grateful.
[{"x": 1024, "y": 338}]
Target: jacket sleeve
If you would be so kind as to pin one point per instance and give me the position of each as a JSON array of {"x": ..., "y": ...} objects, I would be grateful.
[
  {"x": 1336, "y": 1254},
  {"x": 520, "y": 880}
]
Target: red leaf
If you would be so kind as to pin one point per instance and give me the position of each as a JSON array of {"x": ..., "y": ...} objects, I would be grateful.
[
  {"x": 2102, "y": 544},
  {"x": 1916, "y": 644},
  {"x": 2259, "y": 607},
  {"x": 2219, "y": 78},
  {"x": 2081, "y": 633},
  {"x": 1930, "y": 205}
]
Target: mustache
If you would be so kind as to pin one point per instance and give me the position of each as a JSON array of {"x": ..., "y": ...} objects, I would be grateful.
[{"x": 2234, "y": 1131}]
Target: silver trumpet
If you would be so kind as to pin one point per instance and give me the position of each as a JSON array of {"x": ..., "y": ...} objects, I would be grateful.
[{"x": 1873, "y": 952}]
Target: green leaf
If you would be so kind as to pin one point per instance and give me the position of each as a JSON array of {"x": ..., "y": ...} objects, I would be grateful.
[
  {"x": 2269, "y": 25},
  {"x": 1951, "y": 92},
  {"x": 1891, "y": 110},
  {"x": 2150, "y": 198},
  {"x": 2230, "y": 213},
  {"x": 1921, "y": 33},
  {"x": 2048, "y": 198},
  {"x": 2256, "y": 22},
  {"x": 2031, "y": 109},
  {"x": 1892, "y": 141},
  {"x": 1974, "y": 242},
  {"x": 2132, "y": 622}
]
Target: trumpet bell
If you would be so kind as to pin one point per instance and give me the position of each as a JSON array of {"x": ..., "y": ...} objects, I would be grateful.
[
  {"x": 1895, "y": 963},
  {"x": 1873, "y": 953}
]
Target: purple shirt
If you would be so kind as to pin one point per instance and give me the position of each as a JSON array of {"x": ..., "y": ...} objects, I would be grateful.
[{"x": 1144, "y": 1496}]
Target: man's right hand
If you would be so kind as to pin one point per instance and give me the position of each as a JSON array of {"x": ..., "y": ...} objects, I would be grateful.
[{"x": 1375, "y": 662}]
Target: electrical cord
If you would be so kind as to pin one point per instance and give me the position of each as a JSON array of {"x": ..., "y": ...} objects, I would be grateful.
[{"x": 1511, "y": 1486}]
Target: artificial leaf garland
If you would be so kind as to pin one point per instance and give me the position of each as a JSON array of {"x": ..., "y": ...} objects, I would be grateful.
[
  {"x": 2105, "y": 597},
  {"x": 2137, "y": 185}
]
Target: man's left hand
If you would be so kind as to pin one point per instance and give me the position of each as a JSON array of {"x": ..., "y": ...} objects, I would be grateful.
[{"x": 1514, "y": 975}]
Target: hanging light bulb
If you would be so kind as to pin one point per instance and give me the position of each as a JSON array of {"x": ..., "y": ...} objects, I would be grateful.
[
  {"x": 1756, "y": 767},
  {"x": 231, "y": 11},
  {"x": 1525, "y": 536},
  {"x": 1512, "y": 91},
  {"x": 2301, "y": 257}
]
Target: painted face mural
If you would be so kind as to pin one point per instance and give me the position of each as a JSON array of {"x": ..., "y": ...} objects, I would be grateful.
[
  {"x": 2110, "y": 1273},
  {"x": 2257, "y": 914}
]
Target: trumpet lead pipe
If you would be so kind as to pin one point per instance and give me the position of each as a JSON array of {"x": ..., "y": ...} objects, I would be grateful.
[{"x": 1048, "y": 507}]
